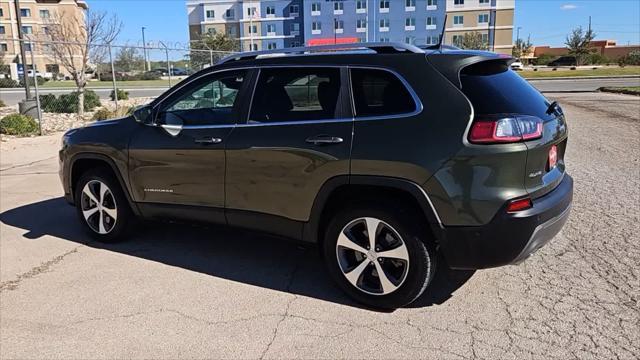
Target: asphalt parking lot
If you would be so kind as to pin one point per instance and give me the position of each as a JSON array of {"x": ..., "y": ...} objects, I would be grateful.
[{"x": 176, "y": 291}]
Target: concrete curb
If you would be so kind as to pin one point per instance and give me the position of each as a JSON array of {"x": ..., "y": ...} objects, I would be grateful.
[{"x": 584, "y": 77}]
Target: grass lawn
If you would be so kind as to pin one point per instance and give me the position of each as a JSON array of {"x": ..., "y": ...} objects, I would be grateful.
[
  {"x": 631, "y": 90},
  {"x": 541, "y": 74},
  {"x": 109, "y": 84}
]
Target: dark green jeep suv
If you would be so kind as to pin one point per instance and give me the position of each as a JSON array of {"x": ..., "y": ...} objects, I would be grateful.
[{"x": 387, "y": 156}]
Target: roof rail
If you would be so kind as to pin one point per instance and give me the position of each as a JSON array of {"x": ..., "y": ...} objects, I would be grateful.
[{"x": 377, "y": 47}]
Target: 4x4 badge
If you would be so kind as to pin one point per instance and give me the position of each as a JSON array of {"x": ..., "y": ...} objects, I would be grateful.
[{"x": 535, "y": 174}]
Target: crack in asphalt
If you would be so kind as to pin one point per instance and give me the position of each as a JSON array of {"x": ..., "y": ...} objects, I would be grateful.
[
  {"x": 27, "y": 164},
  {"x": 45, "y": 266}
]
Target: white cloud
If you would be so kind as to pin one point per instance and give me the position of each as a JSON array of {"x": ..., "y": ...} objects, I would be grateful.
[{"x": 568, "y": 7}]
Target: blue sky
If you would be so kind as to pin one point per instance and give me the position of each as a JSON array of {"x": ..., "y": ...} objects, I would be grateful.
[{"x": 548, "y": 21}]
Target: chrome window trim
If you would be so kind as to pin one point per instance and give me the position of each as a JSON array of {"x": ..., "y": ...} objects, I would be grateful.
[
  {"x": 416, "y": 100},
  {"x": 245, "y": 123}
]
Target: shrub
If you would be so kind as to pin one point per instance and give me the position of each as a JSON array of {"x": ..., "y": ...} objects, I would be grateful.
[
  {"x": 633, "y": 58},
  {"x": 41, "y": 81},
  {"x": 105, "y": 114},
  {"x": 597, "y": 59},
  {"x": 543, "y": 59},
  {"x": 2, "y": 104},
  {"x": 68, "y": 103},
  {"x": 126, "y": 77},
  {"x": 18, "y": 124},
  {"x": 8, "y": 83},
  {"x": 122, "y": 95}
]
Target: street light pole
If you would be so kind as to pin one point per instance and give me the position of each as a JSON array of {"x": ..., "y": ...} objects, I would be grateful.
[
  {"x": 23, "y": 54},
  {"x": 144, "y": 50},
  {"x": 518, "y": 33}
]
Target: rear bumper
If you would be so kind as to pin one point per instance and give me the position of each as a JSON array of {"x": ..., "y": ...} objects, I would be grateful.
[{"x": 509, "y": 238}]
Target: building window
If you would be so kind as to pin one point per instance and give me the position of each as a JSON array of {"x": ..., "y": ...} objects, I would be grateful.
[
  {"x": 457, "y": 40},
  {"x": 45, "y": 14},
  {"x": 316, "y": 8},
  {"x": 458, "y": 2},
  {"x": 408, "y": 4},
  {"x": 272, "y": 46},
  {"x": 211, "y": 14},
  {"x": 295, "y": 43},
  {"x": 253, "y": 29},
  {"x": 3, "y": 47},
  {"x": 483, "y": 19},
  {"x": 27, "y": 30},
  {"x": 253, "y": 47},
  {"x": 271, "y": 29},
  {"x": 27, "y": 47},
  {"x": 294, "y": 10},
  {"x": 338, "y": 25},
  {"x": 295, "y": 27},
  {"x": 384, "y": 25},
  {"x": 361, "y": 6},
  {"x": 409, "y": 40},
  {"x": 211, "y": 31},
  {"x": 361, "y": 25},
  {"x": 384, "y": 6},
  {"x": 25, "y": 12},
  {"x": 2, "y": 31},
  {"x": 410, "y": 24},
  {"x": 431, "y": 23},
  {"x": 1, "y": 14},
  {"x": 458, "y": 20},
  {"x": 484, "y": 2},
  {"x": 230, "y": 14},
  {"x": 271, "y": 11},
  {"x": 338, "y": 7},
  {"x": 432, "y": 40},
  {"x": 384, "y": 39},
  {"x": 316, "y": 28},
  {"x": 45, "y": 30},
  {"x": 231, "y": 31},
  {"x": 432, "y": 3},
  {"x": 485, "y": 39},
  {"x": 251, "y": 11}
]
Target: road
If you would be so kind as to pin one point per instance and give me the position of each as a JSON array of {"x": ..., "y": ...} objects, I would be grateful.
[
  {"x": 13, "y": 96},
  {"x": 175, "y": 291}
]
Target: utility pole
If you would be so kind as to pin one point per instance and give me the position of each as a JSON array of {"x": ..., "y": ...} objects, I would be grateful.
[
  {"x": 23, "y": 55},
  {"x": 518, "y": 33},
  {"x": 144, "y": 50},
  {"x": 589, "y": 23}
]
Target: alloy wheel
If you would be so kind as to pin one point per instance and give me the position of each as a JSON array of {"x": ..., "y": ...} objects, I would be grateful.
[
  {"x": 99, "y": 207},
  {"x": 372, "y": 256}
]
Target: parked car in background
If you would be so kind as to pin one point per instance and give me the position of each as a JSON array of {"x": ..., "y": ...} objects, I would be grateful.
[
  {"x": 179, "y": 72},
  {"x": 386, "y": 156},
  {"x": 517, "y": 65},
  {"x": 563, "y": 61}
]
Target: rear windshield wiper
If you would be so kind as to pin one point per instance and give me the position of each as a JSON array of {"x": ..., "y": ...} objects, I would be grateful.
[{"x": 554, "y": 107}]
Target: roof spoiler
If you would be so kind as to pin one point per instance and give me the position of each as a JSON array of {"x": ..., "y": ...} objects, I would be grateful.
[{"x": 451, "y": 66}]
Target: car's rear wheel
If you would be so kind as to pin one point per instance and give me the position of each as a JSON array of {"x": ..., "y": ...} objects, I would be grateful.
[
  {"x": 102, "y": 206},
  {"x": 381, "y": 258}
]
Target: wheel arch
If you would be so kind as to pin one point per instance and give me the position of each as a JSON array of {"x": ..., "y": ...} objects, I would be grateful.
[
  {"x": 82, "y": 162},
  {"x": 341, "y": 189}
]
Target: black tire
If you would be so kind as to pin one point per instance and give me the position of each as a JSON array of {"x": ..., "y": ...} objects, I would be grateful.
[
  {"x": 421, "y": 255},
  {"x": 124, "y": 218}
]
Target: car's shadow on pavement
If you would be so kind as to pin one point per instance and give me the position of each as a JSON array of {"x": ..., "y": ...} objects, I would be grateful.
[{"x": 220, "y": 251}]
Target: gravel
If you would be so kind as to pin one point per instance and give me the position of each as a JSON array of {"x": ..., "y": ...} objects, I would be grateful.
[{"x": 177, "y": 291}]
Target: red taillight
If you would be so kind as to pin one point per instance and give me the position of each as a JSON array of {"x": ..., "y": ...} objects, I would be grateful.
[
  {"x": 553, "y": 157},
  {"x": 505, "y": 129},
  {"x": 519, "y": 205}
]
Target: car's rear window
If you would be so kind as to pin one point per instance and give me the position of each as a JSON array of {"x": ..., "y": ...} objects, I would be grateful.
[{"x": 494, "y": 89}]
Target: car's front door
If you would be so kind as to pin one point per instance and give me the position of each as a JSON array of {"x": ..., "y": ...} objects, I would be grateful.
[
  {"x": 298, "y": 136},
  {"x": 181, "y": 160}
]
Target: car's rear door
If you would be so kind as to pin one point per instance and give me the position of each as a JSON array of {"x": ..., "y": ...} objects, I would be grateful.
[
  {"x": 297, "y": 136},
  {"x": 184, "y": 163}
]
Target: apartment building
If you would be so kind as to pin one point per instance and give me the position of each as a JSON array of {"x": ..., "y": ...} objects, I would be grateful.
[
  {"x": 35, "y": 15},
  {"x": 416, "y": 22},
  {"x": 493, "y": 19},
  {"x": 257, "y": 24}
]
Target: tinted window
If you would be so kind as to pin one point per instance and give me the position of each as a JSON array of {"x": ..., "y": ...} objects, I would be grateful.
[
  {"x": 379, "y": 92},
  {"x": 208, "y": 101},
  {"x": 494, "y": 89},
  {"x": 285, "y": 94}
]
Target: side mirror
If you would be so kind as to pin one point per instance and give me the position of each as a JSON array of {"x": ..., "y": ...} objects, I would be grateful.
[
  {"x": 143, "y": 114},
  {"x": 171, "y": 123}
]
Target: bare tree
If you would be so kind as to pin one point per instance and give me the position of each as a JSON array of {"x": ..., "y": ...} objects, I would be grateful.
[{"x": 73, "y": 38}]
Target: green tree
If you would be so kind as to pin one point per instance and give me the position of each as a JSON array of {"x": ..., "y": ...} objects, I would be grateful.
[
  {"x": 128, "y": 60},
  {"x": 521, "y": 48},
  {"x": 211, "y": 48},
  {"x": 473, "y": 41},
  {"x": 579, "y": 44}
]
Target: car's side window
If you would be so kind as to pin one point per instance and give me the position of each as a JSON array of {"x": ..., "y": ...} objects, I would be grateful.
[
  {"x": 379, "y": 92},
  {"x": 285, "y": 94},
  {"x": 208, "y": 101}
]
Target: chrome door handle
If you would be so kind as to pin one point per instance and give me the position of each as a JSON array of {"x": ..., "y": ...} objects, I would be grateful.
[
  {"x": 324, "y": 140},
  {"x": 209, "y": 140}
]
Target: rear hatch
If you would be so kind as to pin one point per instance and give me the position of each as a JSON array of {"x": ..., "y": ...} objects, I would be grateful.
[{"x": 495, "y": 91}]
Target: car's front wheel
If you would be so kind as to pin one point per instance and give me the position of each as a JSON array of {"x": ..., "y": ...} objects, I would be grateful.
[
  {"x": 379, "y": 257},
  {"x": 102, "y": 206}
]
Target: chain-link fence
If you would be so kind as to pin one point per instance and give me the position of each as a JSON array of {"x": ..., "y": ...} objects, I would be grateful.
[{"x": 68, "y": 84}]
